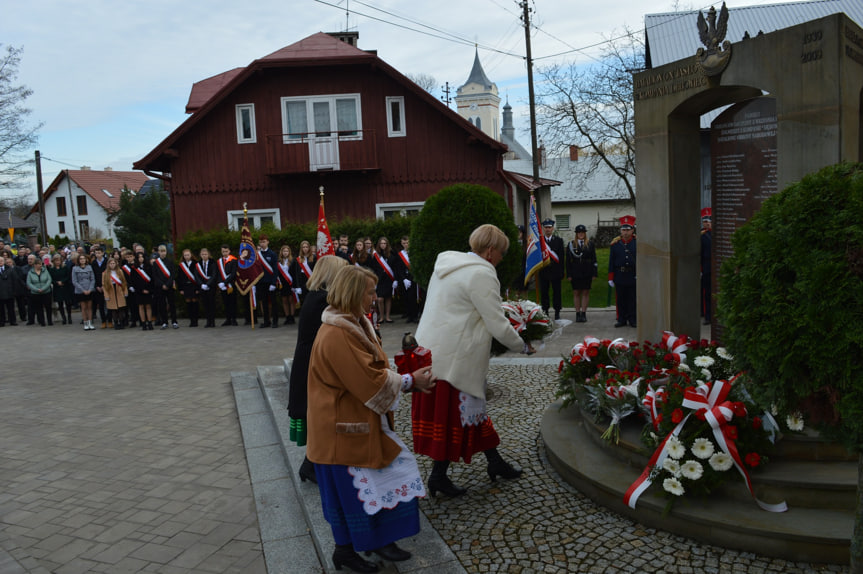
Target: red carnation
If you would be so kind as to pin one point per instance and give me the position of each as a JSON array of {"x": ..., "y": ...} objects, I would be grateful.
[
  {"x": 560, "y": 367},
  {"x": 575, "y": 359},
  {"x": 651, "y": 353},
  {"x": 633, "y": 344},
  {"x": 677, "y": 416},
  {"x": 704, "y": 343},
  {"x": 739, "y": 409},
  {"x": 752, "y": 459},
  {"x": 756, "y": 423},
  {"x": 605, "y": 342},
  {"x": 592, "y": 351},
  {"x": 658, "y": 418},
  {"x": 732, "y": 432},
  {"x": 668, "y": 358},
  {"x": 693, "y": 344}
]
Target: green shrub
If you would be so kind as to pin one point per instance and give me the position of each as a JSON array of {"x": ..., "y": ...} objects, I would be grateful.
[
  {"x": 791, "y": 299},
  {"x": 447, "y": 220}
]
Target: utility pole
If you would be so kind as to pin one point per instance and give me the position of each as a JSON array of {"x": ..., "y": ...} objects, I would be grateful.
[
  {"x": 42, "y": 220},
  {"x": 445, "y": 97},
  {"x": 534, "y": 151}
]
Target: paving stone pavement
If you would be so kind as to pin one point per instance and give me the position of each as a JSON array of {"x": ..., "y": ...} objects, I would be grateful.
[{"x": 120, "y": 451}]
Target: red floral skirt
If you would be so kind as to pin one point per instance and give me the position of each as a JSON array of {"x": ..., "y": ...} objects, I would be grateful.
[{"x": 437, "y": 427}]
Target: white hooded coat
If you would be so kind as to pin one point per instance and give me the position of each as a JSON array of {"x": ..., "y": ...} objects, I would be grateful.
[{"x": 462, "y": 313}]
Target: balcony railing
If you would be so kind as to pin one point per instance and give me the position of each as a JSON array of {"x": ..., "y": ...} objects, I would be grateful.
[{"x": 311, "y": 152}]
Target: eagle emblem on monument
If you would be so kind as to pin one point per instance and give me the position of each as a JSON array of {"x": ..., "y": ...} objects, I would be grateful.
[{"x": 714, "y": 58}]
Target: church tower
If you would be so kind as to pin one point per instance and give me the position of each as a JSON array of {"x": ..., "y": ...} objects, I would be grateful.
[{"x": 477, "y": 101}]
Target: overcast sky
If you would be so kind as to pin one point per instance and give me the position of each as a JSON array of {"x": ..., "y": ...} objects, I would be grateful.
[{"x": 111, "y": 79}]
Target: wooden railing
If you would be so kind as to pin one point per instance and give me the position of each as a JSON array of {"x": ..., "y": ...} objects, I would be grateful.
[{"x": 347, "y": 151}]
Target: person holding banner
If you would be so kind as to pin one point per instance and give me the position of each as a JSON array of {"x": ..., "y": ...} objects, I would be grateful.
[
  {"x": 205, "y": 273},
  {"x": 382, "y": 263},
  {"x": 310, "y": 321},
  {"x": 187, "y": 284},
  {"x": 551, "y": 275},
  {"x": 290, "y": 293},
  {"x": 462, "y": 314}
]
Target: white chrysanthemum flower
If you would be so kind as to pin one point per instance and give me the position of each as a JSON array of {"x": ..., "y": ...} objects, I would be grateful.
[
  {"x": 673, "y": 486},
  {"x": 774, "y": 410},
  {"x": 692, "y": 469},
  {"x": 706, "y": 374},
  {"x": 676, "y": 450},
  {"x": 672, "y": 466},
  {"x": 720, "y": 461},
  {"x": 795, "y": 421},
  {"x": 702, "y": 448},
  {"x": 704, "y": 361},
  {"x": 723, "y": 353},
  {"x": 684, "y": 367}
]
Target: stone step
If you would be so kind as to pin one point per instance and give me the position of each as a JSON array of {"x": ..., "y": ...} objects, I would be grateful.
[
  {"x": 798, "y": 480},
  {"x": 800, "y": 534}
]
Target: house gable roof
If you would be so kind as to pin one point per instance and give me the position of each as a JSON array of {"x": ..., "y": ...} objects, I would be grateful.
[
  {"x": 9, "y": 220},
  {"x": 321, "y": 50},
  {"x": 104, "y": 187},
  {"x": 206, "y": 89}
]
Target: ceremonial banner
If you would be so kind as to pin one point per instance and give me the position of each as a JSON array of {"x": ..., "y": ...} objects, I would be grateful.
[
  {"x": 249, "y": 269},
  {"x": 537, "y": 252},
  {"x": 325, "y": 242}
]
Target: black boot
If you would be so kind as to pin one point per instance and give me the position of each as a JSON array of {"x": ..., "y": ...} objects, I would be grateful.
[
  {"x": 193, "y": 313},
  {"x": 499, "y": 467},
  {"x": 307, "y": 471},
  {"x": 439, "y": 481},
  {"x": 345, "y": 555},
  {"x": 63, "y": 314},
  {"x": 391, "y": 552}
]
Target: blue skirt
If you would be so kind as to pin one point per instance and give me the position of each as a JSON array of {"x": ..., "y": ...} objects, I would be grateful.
[{"x": 343, "y": 509}]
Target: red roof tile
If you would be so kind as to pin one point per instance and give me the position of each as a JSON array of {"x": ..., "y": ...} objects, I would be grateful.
[
  {"x": 206, "y": 89},
  {"x": 318, "y": 46},
  {"x": 94, "y": 182}
]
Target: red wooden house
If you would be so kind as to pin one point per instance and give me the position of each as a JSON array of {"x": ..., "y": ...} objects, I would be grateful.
[{"x": 320, "y": 112}]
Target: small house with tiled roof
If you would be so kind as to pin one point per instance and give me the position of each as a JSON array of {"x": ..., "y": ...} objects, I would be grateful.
[
  {"x": 13, "y": 228},
  {"x": 319, "y": 112},
  {"x": 78, "y": 202}
]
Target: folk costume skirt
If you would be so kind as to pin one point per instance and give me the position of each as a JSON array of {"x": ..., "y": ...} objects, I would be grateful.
[{"x": 438, "y": 428}]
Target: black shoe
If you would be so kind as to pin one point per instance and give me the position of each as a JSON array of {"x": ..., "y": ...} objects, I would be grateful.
[
  {"x": 149, "y": 325},
  {"x": 275, "y": 324},
  {"x": 584, "y": 316},
  {"x": 234, "y": 323},
  {"x": 227, "y": 323},
  {"x": 556, "y": 314},
  {"x": 503, "y": 469},
  {"x": 193, "y": 323},
  {"x": 307, "y": 471},
  {"x": 209, "y": 325},
  {"x": 632, "y": 324},
  {"x": 445, "y": 485},
  {"x": 266, "y": 324},
  {"x": 346, "y": 556},
  {"x": 620, "y": 324},
  {"x": 391, "y": 552}
]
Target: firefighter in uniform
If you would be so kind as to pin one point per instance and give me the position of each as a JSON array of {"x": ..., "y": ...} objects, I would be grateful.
[{"x": 621, "y": 271}]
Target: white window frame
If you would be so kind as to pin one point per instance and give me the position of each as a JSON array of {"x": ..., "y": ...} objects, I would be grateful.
[
  {"x": 240, "y": 108},
  {"x": 382, "y": 208},
  {"x": 390, "y": 131},
  {"x": 235, "y": 218},
  {"x": 334, "y": 121}
]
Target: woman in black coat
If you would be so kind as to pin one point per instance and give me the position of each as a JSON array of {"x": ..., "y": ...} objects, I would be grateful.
[
  {"x": 310, "y": 321},
  {"x": 580, "y": 270}
]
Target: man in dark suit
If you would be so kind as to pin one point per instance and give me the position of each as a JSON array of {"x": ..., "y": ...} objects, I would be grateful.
[
  {"x": 266, "y": 287},
  {"x": 99, "y": 264},
  {"x": 621, "y": 271},
  {"x": 408, "y": 289},
  {"x": 706, "y": 264},
  {"x": 206, "y": 273},
  {"x": 164, "y": 285},
  {"x": 552, "y": 274}
]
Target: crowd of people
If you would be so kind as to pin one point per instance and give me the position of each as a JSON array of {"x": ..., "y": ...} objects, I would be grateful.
[{"x": 129, "y": 288}]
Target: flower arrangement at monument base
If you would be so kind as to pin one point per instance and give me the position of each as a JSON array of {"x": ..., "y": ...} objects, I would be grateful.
[
  {"x": 528, "y": 319},
  {"x": 701, "y": 425}
]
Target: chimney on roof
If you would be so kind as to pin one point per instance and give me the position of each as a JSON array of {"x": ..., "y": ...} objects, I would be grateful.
[
  {"x": 573, "y": 153},
  {"x": 85, "y": 168},
  {"x": 109, "y": 168},
  {"x": 351, "y": 38}
]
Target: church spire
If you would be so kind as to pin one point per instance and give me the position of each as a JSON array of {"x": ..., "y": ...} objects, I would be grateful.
[{"x": 477, "y": 74}]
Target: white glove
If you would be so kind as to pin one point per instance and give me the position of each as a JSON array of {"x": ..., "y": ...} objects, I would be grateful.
[
  {"x": 131, "y": 289},
  {"x": 272, "y": 287},
  {"x": 222, "y": 286},
  {"x": 205, "y": 287},
  {"x": 611, "y": 283},
  {"x": 407, "y": 283},
  {"x": 297, "y": 290}
]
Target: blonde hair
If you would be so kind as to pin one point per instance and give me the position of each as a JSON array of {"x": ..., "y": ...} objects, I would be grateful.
[
  {"x": 325, "y": 270},
  {"x": 486, "y": 236},
  {"x": 347, "y": 289}
]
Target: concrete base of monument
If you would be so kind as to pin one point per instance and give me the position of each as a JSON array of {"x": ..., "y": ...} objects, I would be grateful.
[{"x": 821, "y": 494}]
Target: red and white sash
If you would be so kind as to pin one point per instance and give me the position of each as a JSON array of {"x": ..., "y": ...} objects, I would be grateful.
[
  {"x": 384, "y": 265},
  {"x": 127, "y": 270},
  {"x": 285, "y": 274},
  {"x": 265, "y": 263},
  {"x": 115, "y": 280},
  {"x": 551, "y": 252},
  {"x": 163, "y": 268},
  {"x": 187, "y": 271},
  {"x": 222, "y": 269},
  {"x": 304, "y": 267},
  {"x": 143, "y": 274},
  {"x": 201, "y": 271},
  {"x": 405, "y": 259}
]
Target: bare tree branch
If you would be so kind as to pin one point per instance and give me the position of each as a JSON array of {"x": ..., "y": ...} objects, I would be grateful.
[{"x": 16, "y": 136}]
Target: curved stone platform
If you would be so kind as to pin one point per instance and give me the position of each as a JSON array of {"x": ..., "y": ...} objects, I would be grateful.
[{"x": 820, "y": 495}]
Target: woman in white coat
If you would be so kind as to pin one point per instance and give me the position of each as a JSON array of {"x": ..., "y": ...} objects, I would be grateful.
[{"x": 462, "y": 314}]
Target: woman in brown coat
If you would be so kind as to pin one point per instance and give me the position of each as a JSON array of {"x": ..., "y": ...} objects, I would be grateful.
[
  {"x": 351, "y": 395},
  {"x": 116, "y": 289}
]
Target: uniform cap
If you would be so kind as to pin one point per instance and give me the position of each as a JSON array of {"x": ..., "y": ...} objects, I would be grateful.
[
  {"x": 548, "y": 222},
  {"x": 706, "y": 213},
  {"x": 627, "y": 222},
  {"x": 580, "y": 229}
]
